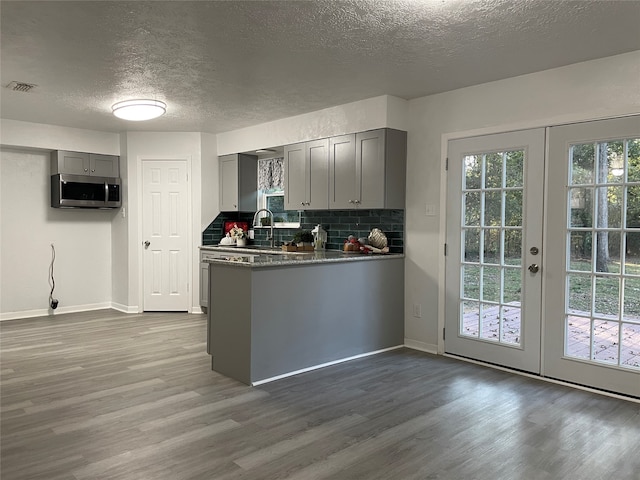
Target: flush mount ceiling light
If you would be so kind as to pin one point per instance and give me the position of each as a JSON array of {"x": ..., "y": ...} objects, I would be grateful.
[{"x": 139, "y": 110}]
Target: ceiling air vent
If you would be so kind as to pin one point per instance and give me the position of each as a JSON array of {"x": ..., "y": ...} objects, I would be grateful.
[{"x": 21, "y": 86}]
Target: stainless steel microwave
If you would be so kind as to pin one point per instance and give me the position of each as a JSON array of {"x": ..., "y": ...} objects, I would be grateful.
[{"x": 80, "y": 191}]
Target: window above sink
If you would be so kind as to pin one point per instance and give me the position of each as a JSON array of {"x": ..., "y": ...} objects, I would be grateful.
[
  {"x": 271, "y": 194},
  {"x": 273, "y": 199}
]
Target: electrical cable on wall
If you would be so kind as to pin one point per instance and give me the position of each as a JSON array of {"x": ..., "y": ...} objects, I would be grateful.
[{"x": 53, "y": 303}]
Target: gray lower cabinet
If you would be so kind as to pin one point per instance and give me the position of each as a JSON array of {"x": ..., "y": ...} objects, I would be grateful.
[
  {"x": 268, "y": 322},
  {"x": 204, "y": 284},
  {"x": 306, "y": 170},
  {"x": 368, "y": 169},
  {"x": 89, "y": 164},
  {"x": 238, "y": 182}
]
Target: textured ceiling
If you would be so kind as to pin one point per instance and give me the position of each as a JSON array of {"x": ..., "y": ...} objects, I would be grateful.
[{"x": 223, "y": 65}]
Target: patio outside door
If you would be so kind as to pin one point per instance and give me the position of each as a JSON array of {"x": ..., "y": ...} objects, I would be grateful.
[
  {"x": 494, "y": 243},
  {"x": 592, "y": 292}
]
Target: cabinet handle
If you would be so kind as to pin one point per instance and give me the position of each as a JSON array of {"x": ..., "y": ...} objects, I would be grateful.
[
  {"x": 86, "y": 169},
  {"x": 235, "y": 206},
  {"x": 302, "y": 203},
  {"x": 356, "y": 201},
  {"x": 92, "y": 171},
  {"x": 350, "y": 201}
]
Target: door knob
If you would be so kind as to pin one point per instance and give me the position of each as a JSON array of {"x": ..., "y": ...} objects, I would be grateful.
[
  {"x": 147, "y": 243},
  {"x": 533, "y": 268}
]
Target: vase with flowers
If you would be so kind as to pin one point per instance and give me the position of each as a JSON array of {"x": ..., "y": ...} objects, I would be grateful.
[{"x": 239, "y": 235}]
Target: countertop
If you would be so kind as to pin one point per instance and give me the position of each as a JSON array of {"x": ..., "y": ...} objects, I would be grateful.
[{"x": 255, "y": 257}]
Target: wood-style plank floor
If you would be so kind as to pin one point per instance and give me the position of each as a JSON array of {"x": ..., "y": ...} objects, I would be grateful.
[{"x": 105, "y": 395}]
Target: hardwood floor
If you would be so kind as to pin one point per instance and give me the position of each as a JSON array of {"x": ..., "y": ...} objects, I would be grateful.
[{"x": 105, "y": 395}]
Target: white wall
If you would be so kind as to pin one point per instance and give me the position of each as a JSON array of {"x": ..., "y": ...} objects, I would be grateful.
[
  {"x": 209, "y": 181},
  {"x": 29, "y": 225},
  {"x": 597, "y": 89},
  {"x": 136, "y": 147},
  {"x": 82, "y": 239},
  {"x": 33, "y": 136},
  {"x": 120, "y": 249},
  {"x": 378, "y": 112}
]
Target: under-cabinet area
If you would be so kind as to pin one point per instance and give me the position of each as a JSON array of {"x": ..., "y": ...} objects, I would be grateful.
[{"x": 274, "y": 315}]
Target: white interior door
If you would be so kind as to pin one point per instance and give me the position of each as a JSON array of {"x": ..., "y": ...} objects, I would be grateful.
[
  {"x": 165, "y": 235},
  {"x": 494, "y": 248},
  {"x": 592, "y": 291}
]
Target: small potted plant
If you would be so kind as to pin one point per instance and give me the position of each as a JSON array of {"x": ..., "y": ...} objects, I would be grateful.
[
  {"x": 303, "y": 239},
  {"x": 239, "y": 235}
]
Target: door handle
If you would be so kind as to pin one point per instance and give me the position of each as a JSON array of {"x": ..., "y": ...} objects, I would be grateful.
[
  {"x": 533, "y": 268},
  {"x": 146, "y": 244}
]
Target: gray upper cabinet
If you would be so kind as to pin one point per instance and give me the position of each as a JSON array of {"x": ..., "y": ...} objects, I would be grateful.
[
  {"x": 104, "y": 165},
  {"x": 342, "y": 172},
  {"x": 80, "y": 163},
  {"x": 307, "y": 175},
  {"x": 238, "y": 182},
  {"x": 368, "y": 169},
  {"x": 295, "y": 177}
]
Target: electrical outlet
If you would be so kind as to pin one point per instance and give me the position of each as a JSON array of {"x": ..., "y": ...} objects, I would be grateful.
[{"x": 417, "y": 310}]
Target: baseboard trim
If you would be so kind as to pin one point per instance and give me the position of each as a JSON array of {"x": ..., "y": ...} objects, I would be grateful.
[
  {"x": 52, "y": 313},
  {"x": 322, "y": 365},
  {"x": 423, "y": 347},
  {"x": 124, "y": 308}
]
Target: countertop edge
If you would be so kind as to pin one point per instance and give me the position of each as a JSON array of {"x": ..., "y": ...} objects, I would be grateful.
[{"x": 257, "y": 259}]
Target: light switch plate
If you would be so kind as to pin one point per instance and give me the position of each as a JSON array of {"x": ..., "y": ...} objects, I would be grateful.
[{"x": 430, "y": 210}]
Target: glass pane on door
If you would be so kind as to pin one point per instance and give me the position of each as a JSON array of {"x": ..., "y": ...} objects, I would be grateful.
[
  {"x": 602, "y": 315},
  {"x": 491, "y": 267}
]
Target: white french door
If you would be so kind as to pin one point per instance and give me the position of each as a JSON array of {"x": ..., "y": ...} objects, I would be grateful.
[
  {"x": 494, "y": 243},
  {"x": 584, "y": 326},
  {"x": 165, "y": 235},
  {"x": 592, "y": 293}
]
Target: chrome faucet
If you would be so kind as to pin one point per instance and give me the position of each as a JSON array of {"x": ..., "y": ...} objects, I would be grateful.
[{"x": 253, "y": 223}]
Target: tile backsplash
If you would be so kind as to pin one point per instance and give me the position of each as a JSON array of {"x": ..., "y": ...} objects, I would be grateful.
[{"x": 339, "y": 224}]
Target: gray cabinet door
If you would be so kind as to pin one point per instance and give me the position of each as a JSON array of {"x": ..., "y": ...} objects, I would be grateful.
[
  {"x": 317, "y": 181},
  {"x": 342, "y": 172},
  {"x": 370, "y": 169},
  {"x": 307, "y": 175},
  {"x": 238, "y": 182},
  {"x": 73, "y": 163},
  {"x": 204, "y": 284},
  {"x": 104, "y": 165},
  {"x": 79, "y": 163},
  {"x": 295, "y": 177},
  {"x": 229, "y": 183}
]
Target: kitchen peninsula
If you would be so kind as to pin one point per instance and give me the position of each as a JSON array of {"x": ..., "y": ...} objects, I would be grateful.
[{"x": 272, "y": 315}]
